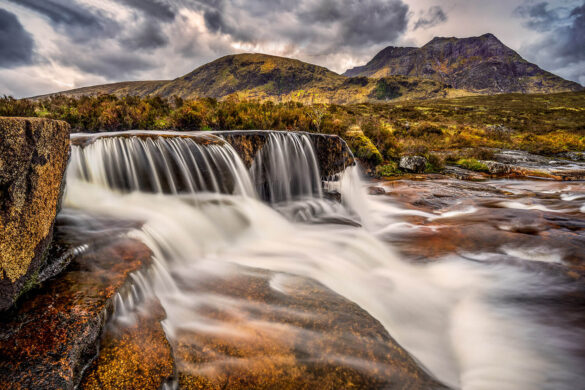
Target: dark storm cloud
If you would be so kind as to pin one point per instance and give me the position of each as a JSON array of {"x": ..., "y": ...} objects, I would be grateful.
[
  {"x": 434, "y": 16},
  {"x": 78, "y": 21},
  {"x": 563, "y": 44},
  {"x": 539, "y": 16},
  {"x": 573, "y": 47},
  {"x": 565, "y": 27},
  {"x": 16, "y": 44},
  {"x": 157, "y": 9},
  {"x": 324, "y": 23},
  {"x": 148, "y": 36}
]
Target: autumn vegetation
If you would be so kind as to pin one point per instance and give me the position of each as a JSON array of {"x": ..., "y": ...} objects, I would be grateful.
[{"x": 379, "y": 133}]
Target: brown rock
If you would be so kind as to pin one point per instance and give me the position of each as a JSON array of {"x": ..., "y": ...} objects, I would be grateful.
[
  {"x": 307, "y": 337},
  {"x": 47, "y": 341},
  {"x": 33, "y": 158},
  {"x": 136, "y": 356}
]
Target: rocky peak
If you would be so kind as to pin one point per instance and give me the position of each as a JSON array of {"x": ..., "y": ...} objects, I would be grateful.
[{"x": 479, "y": 64}]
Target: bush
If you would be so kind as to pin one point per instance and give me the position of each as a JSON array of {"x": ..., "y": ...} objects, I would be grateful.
[
  {"x": 435, "y": 163},
  {"x": 388, "y": 169},
  {"x": 363, "y": 148},
  {"x": 426, "y": 129},
  {"x": 480, "y": 154}
]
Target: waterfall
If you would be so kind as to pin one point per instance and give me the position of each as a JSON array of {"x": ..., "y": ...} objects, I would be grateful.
[
  {"x": 203, "y": 213},
  {"x": 286, "y": 169},
  {"x": 170, "y": 165}
]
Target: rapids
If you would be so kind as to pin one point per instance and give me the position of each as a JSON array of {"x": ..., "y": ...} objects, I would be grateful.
[{"x": 473, "y": 320}]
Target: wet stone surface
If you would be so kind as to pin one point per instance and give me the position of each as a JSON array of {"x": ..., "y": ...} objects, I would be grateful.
[
  {"x": 134, "y": 355},
  {"x": 531, "y": 220},
  {"x": 47, "y": 340},
  {"x": 268, "y": 331}
]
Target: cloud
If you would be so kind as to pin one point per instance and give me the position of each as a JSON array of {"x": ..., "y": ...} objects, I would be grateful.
[
  {"x": 562, "y": 46},
  {"x": 157, "y": 9},
  {"x": 116, "y": 40},
  {"x": 77, "y": 21},
  {"x": 433, "y": 17},
  {"x": 16, "y": 44},
  {"x": 147, "y": 36}
]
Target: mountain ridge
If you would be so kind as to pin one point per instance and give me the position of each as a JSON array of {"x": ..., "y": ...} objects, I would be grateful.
[
  {"x": 444, "y": 67},
  {"x": 480, "y": 64},
  {"x": 267, "y": 77}
]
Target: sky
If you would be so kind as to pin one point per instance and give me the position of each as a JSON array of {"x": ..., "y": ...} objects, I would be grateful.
[{"x": 53, "y": 45}]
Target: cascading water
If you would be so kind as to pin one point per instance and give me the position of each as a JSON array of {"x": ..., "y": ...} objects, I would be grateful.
[
  {"x": 286, "y": 169},
  {"x": 461, "y": 319}
]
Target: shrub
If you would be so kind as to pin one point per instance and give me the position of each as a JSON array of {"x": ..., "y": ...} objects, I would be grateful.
[
  {"x": 363, "y": 148},
  {"x": 388, "y": 169},
  {"x": 435, "y": 163}
]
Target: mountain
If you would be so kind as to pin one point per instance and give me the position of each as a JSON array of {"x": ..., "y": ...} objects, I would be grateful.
[
  {"x": 265, "y": 77},
  {"x": 477, "y": 64}
]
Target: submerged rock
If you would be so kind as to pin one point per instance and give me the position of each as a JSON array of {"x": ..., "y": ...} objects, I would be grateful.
[
  {"x": 265, "y": 330},
  {"x": 46, "y": 341},
  {"x": 33, "y": 157},
  {"x": 415, "y": 164},
  {"x": 134, "y": 356}
]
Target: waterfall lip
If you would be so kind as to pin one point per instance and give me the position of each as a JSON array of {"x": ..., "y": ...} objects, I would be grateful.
[{"x": 200, "y": 137}]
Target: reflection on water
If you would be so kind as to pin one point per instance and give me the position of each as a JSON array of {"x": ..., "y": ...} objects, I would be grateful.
[{"x": 480, "y": 283}]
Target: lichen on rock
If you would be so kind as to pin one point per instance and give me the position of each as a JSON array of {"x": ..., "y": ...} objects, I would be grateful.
[{"x": 33, "y": 158}]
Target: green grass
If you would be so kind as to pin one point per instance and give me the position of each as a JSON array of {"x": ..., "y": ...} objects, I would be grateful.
[{"x": 472, "y": 164}]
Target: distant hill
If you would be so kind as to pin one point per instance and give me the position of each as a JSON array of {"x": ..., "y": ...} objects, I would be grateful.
[
  {"x": 477, "y": 64},
  {"x": 268, "y": 77}
]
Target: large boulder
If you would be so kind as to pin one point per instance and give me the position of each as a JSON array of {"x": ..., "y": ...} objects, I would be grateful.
[
  {"x": 33, "y": 158},
  {"x": 416, "y": 164}
]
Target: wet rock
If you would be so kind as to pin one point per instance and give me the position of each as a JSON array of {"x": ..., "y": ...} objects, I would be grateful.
[
  {"x": 33, "y": 157},
  {"x": 497, "y": 168},
  {"x": 463, "y": 174},
  {"x": 52, "y": 335},
  {"x": 279, "y": 331},
  {"x": 416, "y": 164},
  {"x": 133, "y": 356},
  {"x": 199, "y": 137},
  {"x": 375, "y": 190},
  {"x": 573, "y": 156}
]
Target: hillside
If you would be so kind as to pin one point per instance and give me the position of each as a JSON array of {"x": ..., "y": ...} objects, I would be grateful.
[
  {"x": 265, "y": 77},
  {"x": 477, "y": 64}
]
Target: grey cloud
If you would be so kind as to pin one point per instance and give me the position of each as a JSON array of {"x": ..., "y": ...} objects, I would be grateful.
[
  {"x": 324, "y": 25},
  {"x": 538, "y": 15},
  {"x": 147, "y": 36},
  {"x": 112, "y": 64},
  {"x": 79, "y": 22},
  {"x": 16, "y": 44},
  {"x": 434, "y": 16},
  {"x": 157, "y": 9},
  {"x": 562, "y": 49}
]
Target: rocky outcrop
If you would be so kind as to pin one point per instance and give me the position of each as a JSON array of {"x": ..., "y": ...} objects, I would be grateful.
[
  {"x": 479, "y": 64},
  {"x": 333, "y": 155},
  {"x": 33, "y": 158},
  {"x": 415, "y": 164}
]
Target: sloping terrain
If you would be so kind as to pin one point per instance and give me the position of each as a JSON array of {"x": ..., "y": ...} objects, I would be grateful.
[{"x": 264, "y": 77}]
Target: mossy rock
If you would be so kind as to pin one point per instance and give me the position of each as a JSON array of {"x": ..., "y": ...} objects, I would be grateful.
[{"x": 33, "y": 158}]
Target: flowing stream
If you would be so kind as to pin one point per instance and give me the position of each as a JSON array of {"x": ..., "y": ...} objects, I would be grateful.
[{"x": 474, "y": 321}]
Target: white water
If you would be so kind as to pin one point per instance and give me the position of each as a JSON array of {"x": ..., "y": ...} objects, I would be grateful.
[{"x": 451, "y": 315}]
